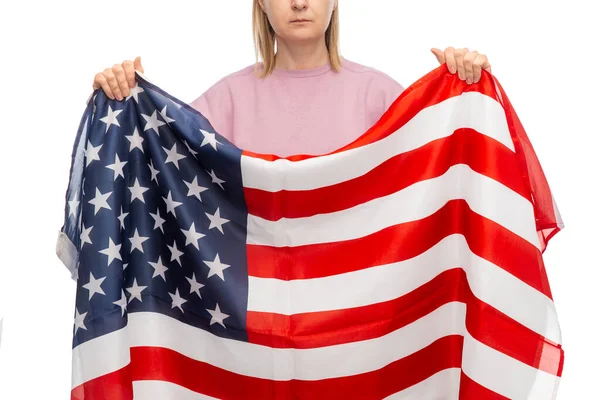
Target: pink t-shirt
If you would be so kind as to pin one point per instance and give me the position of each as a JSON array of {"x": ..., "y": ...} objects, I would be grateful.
[{"x": 309, "y": 111}]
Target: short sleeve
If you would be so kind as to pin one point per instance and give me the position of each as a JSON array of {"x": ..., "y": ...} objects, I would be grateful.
[
  {"x": 217, "y": 106},
  {"x": 381, "y": 93}
]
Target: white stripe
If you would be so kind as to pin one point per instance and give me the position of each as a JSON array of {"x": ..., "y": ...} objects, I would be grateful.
[
  {"x": 153, "y": 329},
  {"x": 469, "y": 110},
  {"x": 488, "y": 282},
  {"x": 484, "y": 195},
  {"x": 488, "y": 367},
  {"x": 444, "y": 385},
  {"x": 161, "y": 390},
  {"x": 505, "y": 375},
  {"x": 101, "y": 356}
]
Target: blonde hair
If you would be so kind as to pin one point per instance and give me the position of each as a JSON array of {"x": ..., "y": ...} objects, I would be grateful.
[{"x": 264, "y": 40}]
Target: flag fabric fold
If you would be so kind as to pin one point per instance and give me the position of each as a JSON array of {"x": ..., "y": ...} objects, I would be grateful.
[{"x": 405, "y": 265}]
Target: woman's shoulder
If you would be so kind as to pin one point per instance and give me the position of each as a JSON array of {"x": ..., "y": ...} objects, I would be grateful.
[
  {"x": 380, "y": 88},
  {"x": 220, "y": 90},
  {"x": 368, "y": 71},
  {"x": 234, "y": 78}
]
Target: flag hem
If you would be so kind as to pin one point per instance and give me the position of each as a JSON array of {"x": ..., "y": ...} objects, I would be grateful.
[{"x": 67, "y": 253}]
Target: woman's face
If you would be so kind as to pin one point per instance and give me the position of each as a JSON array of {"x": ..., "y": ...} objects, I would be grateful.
[{"x": 284, "y": 15}]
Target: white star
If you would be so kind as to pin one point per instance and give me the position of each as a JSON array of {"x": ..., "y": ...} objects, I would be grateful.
[
  {"x": 94, "y": 286},
  {"x": 112, "y": 251},
  {"x": 117, "y": 167},
  {"x": 175, "y": 253},
  {"x": 92, "y": 153},
  {"x": 122, "y": 218},
  {"x": 152, "y": 122},
  {"x": 209, "y": 138},
  {"x": 135, "y": 291},
  {"x": 100, "y": 201},
  {"x": 134, "y": 92},
  {"x": 163, "y": 114},
  {"x": 216, "y": 221},
  {"x": 79, "y": 320},
  {"x": 122, "y": 302},
  {"x": 217, "y": 316},
  {"x": 192, "y": 151},
  {"x": 216, "y": 267},
  {"x": 173, "y": 156},
  {"x": 177, "y": 300},
  {"x": 135, "y": 140},
  {"x": 111, "y": 118},
  {"x": 137, "y": 241},
  {"x": 159, "y": 269},
  {"x": 158, "y": 220},
  {"x": 154, "y": 172},
  {"x": 73, "y": 205},
  {"x": 84, "y": 236},
  {"x": 195, "y": 286},
  {"x": 192, "y": 237},
  {"x": 125, "y": 266},
  {"x": 171, "y": 204},
  {"x": 215, "y": 179},
  {"x": 137, "y": 191},
  {"x": 194, "y": 189}
]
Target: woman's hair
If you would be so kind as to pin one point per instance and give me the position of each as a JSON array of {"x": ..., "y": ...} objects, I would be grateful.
[{"x": 264, "y": 40}]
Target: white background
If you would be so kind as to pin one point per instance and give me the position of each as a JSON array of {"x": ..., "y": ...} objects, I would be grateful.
[{"x": 544, "y": 53}]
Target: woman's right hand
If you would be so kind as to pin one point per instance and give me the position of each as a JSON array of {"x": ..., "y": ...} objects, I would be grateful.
[{"x": 117, "y": 80}]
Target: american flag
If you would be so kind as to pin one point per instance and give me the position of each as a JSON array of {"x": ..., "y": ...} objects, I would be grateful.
[{"x": 405, "y": 265}]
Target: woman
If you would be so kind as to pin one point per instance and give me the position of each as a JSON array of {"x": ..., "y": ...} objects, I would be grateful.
[{"x": 303, "y": 99}]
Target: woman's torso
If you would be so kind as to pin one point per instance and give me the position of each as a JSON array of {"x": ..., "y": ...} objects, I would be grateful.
[{"x": 311, "y": 111}]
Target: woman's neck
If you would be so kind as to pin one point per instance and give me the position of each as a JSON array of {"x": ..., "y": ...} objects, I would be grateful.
[{"x": 301, "y": 55}]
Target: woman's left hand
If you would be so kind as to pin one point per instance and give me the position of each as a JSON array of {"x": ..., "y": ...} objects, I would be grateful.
[{"x": 468, "y": 63}]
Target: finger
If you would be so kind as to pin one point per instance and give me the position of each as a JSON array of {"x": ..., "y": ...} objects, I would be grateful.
[
  {"x": 101, "y": 80},
  {"x": 137, "y": 63},
  {"x": 121, "y": 79},
  {"x": 129, "y": 73},
  {"x": 486, "y": 64},
  {"x": 439, "y": 55},
  {"x": 460, "y": 66},
  {"x": 96, "y": 83},
  {"x": 468, "y": 63},
  {"x": 478, "y": 64},
  {"x": 113, "y": 83},
  {"x": 450, "y": 59}
]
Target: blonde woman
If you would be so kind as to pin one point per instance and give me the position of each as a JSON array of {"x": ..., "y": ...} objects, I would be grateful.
[{"x": 303, "y": 99}]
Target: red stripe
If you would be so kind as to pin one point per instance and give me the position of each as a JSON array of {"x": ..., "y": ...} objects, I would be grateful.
[
  {"x": 150, "y": 363},
  {"x": 486, "y": 238},
  {"x": 114, "y": 386},
  {"x": 327, "y": 328},
  {"x": 484, "y": 323},
  {"x": 465, "y": 146},
  {"x": 471, "y": 390},
  {"x": 440, "y": 86}
]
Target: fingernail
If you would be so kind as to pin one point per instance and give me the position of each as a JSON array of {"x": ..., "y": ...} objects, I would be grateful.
[
  {"x": 469, "y": 81},
  {"x": 119, "y": 98}
]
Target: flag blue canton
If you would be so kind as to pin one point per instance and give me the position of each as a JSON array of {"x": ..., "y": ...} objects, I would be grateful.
[{"x": 155, "y": 205}]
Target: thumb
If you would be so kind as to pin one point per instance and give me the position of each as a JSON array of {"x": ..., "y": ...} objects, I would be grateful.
[
  {"x": 439, "y": 55},
  {"x": 137, "y": 64}
]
